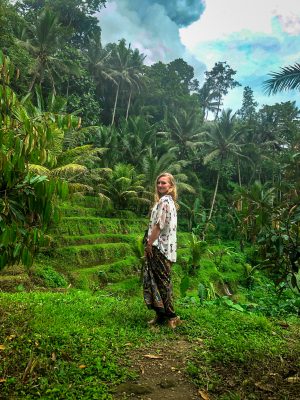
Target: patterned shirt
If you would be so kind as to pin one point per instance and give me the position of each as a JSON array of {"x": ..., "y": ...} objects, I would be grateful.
[{"x": 165, "y": 215}]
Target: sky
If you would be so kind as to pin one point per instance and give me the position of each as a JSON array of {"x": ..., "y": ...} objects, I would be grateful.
[{"x": 254, "y": 37}]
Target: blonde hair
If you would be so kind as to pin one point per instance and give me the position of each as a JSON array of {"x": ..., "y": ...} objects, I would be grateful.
[{"x": 172, "y": 191}]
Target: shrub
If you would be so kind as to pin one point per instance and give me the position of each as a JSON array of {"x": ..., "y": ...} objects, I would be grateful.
[{"x": 50, "y": 277}]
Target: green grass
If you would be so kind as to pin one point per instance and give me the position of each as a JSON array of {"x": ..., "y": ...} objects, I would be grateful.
[
  {"x": 92, "y": 254},
  {"x": 96, "y": 238},
  {"x": 70, "y": 342},
  {"x": 101, "y": 275},
  {"x": 93, "y": 225},
  {"x": 73, "y": 345},
  {"x": 68, "y": 210}
]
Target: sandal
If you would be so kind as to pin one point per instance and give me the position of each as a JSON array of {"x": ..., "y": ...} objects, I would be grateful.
[{"x": 174, "y": 322}]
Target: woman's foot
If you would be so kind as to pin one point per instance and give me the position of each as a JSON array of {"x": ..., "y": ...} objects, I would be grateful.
[
  {"x": 174, "y": 322},
  {"x": 159, "y": 319}
]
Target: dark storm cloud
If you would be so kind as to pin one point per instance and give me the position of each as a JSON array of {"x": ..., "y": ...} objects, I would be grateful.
[
  {"x": 152, "y": 26},
  {"x": 182, "y": 12}
]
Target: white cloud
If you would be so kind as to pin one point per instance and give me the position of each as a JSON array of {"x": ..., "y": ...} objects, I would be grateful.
[
  {"x": 152, "y": 32},
  {"x": 255, "y": 37},
  {"x": 221, "y": 18}
]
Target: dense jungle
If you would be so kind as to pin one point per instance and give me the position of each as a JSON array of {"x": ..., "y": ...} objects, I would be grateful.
[{"x": 85, "y": 129}]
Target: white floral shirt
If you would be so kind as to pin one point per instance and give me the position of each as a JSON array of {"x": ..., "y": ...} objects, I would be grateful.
[{"x": 165, "y": 215}]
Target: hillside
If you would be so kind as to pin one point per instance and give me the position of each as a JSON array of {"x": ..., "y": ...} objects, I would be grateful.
[{"x": 75, "y": 325}]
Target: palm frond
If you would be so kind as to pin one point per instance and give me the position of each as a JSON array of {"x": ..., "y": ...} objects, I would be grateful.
[
  {"x": 185, "y": 187},
  {"x": 69, "y": 170},
  {"x": 212, "y": 155},
  {"x": 38, "y": 169},
  {"x": 79, "y": 188},
  {"x": 287, "y": 79}
]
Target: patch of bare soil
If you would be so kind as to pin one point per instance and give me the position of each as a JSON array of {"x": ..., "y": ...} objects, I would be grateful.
[
  {"x": 162, "y": 375},
  {"x": 268, "y": 380},
  {"x": 161, "y": 369}
]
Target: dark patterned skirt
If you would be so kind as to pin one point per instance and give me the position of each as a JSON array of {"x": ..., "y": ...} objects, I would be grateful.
[{"x": 157, "y": 285}]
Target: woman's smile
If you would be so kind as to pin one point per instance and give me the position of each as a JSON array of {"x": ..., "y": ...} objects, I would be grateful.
[{"x": 163, "y": 185}]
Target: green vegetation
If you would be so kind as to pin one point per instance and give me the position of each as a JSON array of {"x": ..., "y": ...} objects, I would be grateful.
[
  {"x": 84, "y": 131},
  {"x": 73, "y": 341},
  {"x": 70, "y": 344}
]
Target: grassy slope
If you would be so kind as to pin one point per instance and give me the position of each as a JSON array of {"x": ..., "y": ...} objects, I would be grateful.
[
  {"x": 69, "y": 345},
  {"x": 72, "y": 344}
]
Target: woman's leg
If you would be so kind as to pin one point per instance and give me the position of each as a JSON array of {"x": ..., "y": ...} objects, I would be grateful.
[{"x": 158, "y": 287}]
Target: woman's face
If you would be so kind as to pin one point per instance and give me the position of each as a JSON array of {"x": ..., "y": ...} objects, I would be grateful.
[{"x": 163, "y": 185}]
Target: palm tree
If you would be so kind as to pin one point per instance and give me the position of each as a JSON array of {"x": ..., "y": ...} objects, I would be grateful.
[
  {"x": 193, "y": 212},
  {"x": 208, "y": 100},
  {"x": 105, "y": 137},
  {"x": 44, "y": 41},
  {"x": 185, "y": 133},
  {"x": 136, "y": 136},
  {"x": 99, "y": 63},
  {"x": 124, "y": 187},
  {"x": 127, "y": 66},
  {"x": 152, "y": 166},
  {"x": 288, "y": 78},
  {"x": 76, "y": 166},
  {"x": 221, "y": 143},
  {"x": 136, "y": 75}
]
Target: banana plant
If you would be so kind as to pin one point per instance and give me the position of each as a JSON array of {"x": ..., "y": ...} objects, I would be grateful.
[{"x": 27, "y": 200}]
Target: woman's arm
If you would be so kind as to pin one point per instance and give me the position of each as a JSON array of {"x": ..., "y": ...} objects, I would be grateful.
[{"x": 154, "y": 235}]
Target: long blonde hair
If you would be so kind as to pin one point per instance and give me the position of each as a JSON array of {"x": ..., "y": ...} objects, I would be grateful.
[{"x": 172, "y": 191}]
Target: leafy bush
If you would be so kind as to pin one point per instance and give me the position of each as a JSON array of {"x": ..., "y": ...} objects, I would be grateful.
[
  {"x": 50, "y": 277},
  {"x": 268, "y": 300}
]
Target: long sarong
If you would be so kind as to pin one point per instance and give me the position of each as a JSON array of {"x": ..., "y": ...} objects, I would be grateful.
[{"x": 157, "y": 284}]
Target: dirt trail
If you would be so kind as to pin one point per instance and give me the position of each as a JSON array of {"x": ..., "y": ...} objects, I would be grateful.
[{"x": 162, "y": 375}]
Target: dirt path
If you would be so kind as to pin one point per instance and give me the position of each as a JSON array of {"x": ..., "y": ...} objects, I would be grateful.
[{"x": 161, "y": 368}]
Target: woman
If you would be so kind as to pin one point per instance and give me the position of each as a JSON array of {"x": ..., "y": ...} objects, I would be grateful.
[{"x": 160, "y": 252}]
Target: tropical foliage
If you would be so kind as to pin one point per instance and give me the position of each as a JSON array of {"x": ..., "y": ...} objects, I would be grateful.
[
  {"x": 287, "y": 79},
  {"x": 27, "y": 198},
  {"x": 130, "y": 121}
]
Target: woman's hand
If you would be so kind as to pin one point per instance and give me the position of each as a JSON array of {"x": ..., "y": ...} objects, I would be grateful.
[{"x": 148, "y": 250}]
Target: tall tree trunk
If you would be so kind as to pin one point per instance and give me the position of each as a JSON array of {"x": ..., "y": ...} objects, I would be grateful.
[
  {"x": 214, "y": 197},
  {"x": 128, "y": 105},
  {"x": 240, "y": 207},
  {"x": 53, "y": 84},
  {"x": 211, "y": 207},
  {"x": 239, "y": 172},
  {"x": 218, "y": 109},
  {"x": 32, "y": 83},
  {"x": 115, "y": 106},
  {"x": 68, "y": 86}
]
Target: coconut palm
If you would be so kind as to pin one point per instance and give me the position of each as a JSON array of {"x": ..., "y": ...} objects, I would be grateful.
[
  {"x": 185, "y": 133},
  {"x": 74, "y": 166},
  {"x": 256, "y": 213},
  {"x": 287, "y": 79},
  {"x": 127, "y": 67},
  {"x": 124, "y": 187},
  {"x": 44, "y": 41},
  {"x": 221, "y": 143},
  {"x": 137, "y": 78},
  {"x": 208, "y": 102},
  {"x": 136, "y": 136},
  {"x": 104, "y": 137},
  {"x": 98, "y": 61}
]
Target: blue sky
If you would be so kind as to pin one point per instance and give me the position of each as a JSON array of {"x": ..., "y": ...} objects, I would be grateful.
[{"x": 255, "y": 37}]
